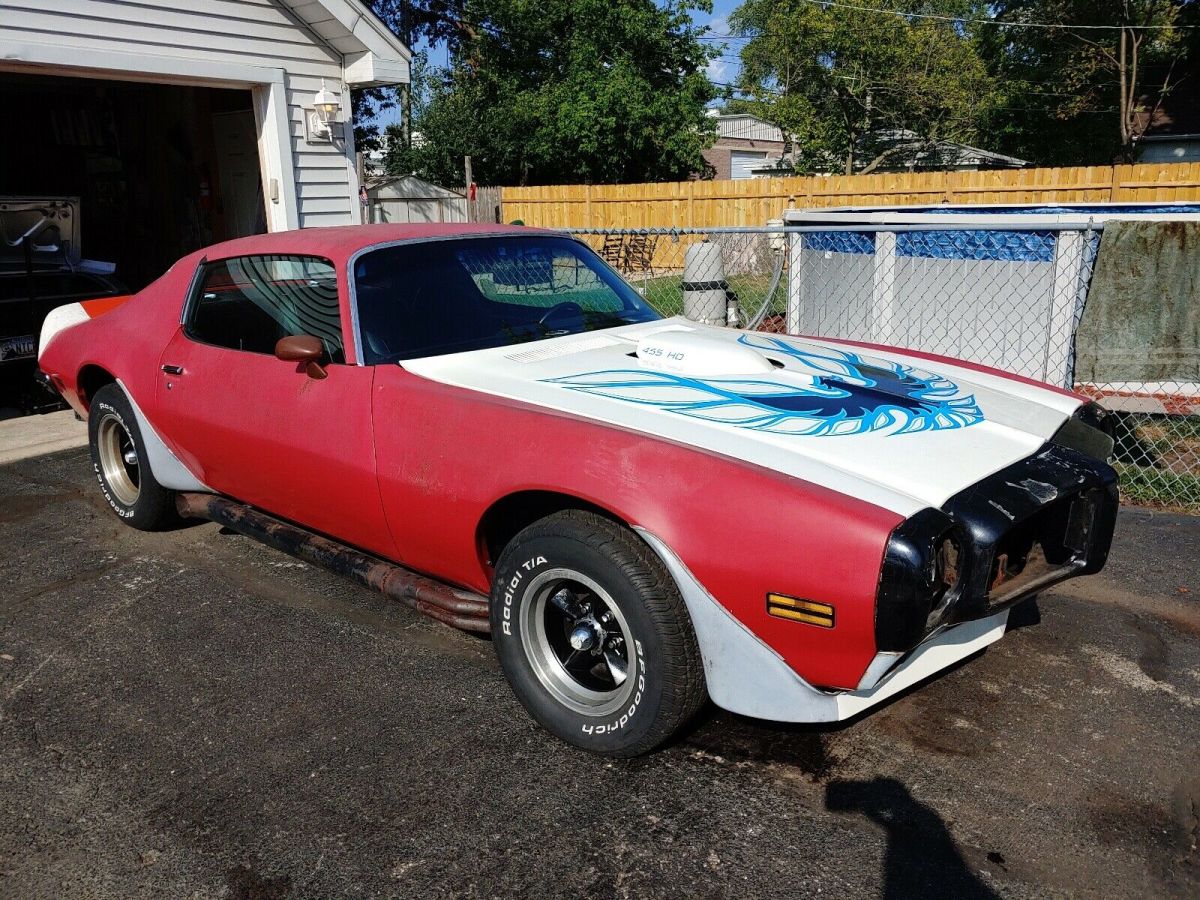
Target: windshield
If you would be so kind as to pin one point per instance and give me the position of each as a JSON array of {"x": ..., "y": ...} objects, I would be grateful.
[{"x": 434, "y": 297}]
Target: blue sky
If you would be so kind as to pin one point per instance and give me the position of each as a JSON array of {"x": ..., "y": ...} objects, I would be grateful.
[{"x": 722, "y": 69}]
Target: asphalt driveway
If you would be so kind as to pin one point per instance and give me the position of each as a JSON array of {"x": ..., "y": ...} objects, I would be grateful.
[{"x": 191, "y": 714}]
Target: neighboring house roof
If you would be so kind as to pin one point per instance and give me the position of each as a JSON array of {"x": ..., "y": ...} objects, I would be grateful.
[
  {"x": 410, "y": 187},
  {"x": 374, "y": 55},
  {"x": 935, "y": 154},
  {"x": 1169, "y": 137},
  {"x": 747, "y": 127},
  {"x": 1176, "y": 116}
]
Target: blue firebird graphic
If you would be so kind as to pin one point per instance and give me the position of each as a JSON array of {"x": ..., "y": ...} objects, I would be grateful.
[{"x": 830, "y": 392}]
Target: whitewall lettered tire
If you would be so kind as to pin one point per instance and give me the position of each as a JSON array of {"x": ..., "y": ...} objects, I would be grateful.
[
  {"x": 593, "y": 635},
  {"x": 120, "y": 463}
]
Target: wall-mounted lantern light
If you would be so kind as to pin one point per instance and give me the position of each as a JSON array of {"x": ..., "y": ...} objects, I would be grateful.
[{"x": 323, "y": 115}]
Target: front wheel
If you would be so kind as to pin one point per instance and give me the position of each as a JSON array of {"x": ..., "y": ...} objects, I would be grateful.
[
  {"x": 120, "y": 463},
  {"x": 593, "y": 635}
]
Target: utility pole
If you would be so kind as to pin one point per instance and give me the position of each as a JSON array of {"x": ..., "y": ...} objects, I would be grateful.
[
  {"x": 406, "y": 28},
  {"x": 406, "y": 112},
  {"x": 470, "y": 180}
]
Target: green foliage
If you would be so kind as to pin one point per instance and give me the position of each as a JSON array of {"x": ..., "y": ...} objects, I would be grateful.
[
  {"x": 592, "y": 91},
  {"x": 1061, "y": 95},
  {"x": 1084, "y": 96},
  {"x": 402, "y": 157},
  {"x": 836, "y": 77},
  {"x": 564, "y": 91},
  {"x": 365, "y": 105},
  {"x": 1155, "y": 487}
]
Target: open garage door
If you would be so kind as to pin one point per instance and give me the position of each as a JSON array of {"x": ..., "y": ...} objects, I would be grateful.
[
  {"x": 159, "y": 170},
  {"x": 133, "y": 175}
]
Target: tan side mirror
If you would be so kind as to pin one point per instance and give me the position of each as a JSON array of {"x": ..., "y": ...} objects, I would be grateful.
[{"x": 304, "y": 349}]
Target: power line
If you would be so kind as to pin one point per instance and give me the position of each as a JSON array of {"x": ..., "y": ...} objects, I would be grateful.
[
  {"x": 732, "y": 58},
  {"x": 896, "y": 89},
  {"x": 965, "y": 21}
]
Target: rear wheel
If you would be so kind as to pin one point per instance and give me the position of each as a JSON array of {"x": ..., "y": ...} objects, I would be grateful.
[
  {"x": 119, "y": 461},
  {"x": 593, "y": 635}
]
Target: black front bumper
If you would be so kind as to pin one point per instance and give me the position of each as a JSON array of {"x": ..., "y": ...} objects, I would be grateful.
[{"x": 1042, "y": 520}]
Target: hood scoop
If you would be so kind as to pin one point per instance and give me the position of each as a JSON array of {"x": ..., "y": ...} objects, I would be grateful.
[{"x": 701, "y": 354}]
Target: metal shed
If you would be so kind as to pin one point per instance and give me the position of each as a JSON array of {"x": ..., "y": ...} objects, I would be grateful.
[{"x": 407, "y": 198}]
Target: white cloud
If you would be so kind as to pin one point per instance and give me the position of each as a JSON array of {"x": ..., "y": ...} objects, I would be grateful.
[
  {"x": 717, "y": 70},
  {"x": 725, "y": 67}
]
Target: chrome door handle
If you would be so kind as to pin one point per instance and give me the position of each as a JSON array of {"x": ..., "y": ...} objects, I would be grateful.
[{"x": 173, "y": 370}]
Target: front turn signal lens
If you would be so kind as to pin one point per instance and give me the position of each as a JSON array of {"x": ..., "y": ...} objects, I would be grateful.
[{"x": 808, "y": 611}]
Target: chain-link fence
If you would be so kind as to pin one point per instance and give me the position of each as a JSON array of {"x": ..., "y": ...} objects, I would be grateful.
[{"x": 1009, "y": 297}]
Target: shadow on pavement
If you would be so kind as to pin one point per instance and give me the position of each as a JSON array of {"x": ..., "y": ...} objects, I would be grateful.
[{"x": 921, "y": 859}]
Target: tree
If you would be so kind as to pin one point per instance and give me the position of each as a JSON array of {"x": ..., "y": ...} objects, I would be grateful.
[
  {"x": 1083, "y": 93},
  {"x": 413, "y": 21},
  {"x": 857, "y": 88},
  {"x": 563, "y": 91},
  {"x": 402, "y": 157}
]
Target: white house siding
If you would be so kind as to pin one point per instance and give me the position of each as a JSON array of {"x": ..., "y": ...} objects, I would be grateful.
[{"x": 263, "y": 34}]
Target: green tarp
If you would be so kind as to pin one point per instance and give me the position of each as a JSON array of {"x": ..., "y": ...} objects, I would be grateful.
[{"x": 1141, "y": 321}]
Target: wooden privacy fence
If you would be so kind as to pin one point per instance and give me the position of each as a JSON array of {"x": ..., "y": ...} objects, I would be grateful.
[
  {"x": 710, "y": 204},
  {"x": 486, "y": 205}
]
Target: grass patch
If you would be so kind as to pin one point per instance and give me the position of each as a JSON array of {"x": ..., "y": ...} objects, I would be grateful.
[
  {"x": 1158, "y": 487},
  {"x": 665, "y": 292},
  {"x": 1158, "y": 458}
]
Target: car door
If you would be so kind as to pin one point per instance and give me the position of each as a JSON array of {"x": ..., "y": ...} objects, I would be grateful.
[{"x": 286, "y": 437}]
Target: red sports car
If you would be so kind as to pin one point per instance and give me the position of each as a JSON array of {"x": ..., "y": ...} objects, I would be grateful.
[{"x": 490, "y": 425}]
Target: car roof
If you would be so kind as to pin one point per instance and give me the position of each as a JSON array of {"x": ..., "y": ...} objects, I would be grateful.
[{"x": 339, "y": 242}]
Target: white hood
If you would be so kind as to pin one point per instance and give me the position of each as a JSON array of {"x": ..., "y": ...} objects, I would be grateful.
[{"x": 895, "y": 431}]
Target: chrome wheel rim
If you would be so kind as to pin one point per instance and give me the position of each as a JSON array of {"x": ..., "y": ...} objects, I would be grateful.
[
  {"x": 578, "y": 643},
  {"x": 118, "y": 460}
]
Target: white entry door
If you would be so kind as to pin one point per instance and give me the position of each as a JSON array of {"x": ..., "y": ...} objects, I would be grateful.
[{"x": 236, "y": 139}]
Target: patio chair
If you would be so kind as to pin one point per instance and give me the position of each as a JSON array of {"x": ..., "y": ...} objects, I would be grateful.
[{"x": 639, "y": 253}]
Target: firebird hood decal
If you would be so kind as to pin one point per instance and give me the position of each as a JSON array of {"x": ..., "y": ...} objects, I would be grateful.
[
  {"x": 880, "y": 425},
  {"x": 848, "y": 394}
]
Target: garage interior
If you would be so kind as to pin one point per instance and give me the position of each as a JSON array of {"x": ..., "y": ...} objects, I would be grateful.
[{"x": 160, "y": 170}]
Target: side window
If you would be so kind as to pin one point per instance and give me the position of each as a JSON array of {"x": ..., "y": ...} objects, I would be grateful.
[{"x": 250, "y": 302}]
